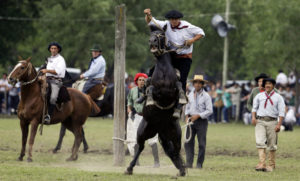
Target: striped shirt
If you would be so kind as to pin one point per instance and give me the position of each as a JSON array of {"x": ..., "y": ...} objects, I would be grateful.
[{"x": 200, "y": 103}]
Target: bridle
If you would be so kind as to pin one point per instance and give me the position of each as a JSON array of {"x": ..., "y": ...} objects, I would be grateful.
[{"x": 26, "y": 70}]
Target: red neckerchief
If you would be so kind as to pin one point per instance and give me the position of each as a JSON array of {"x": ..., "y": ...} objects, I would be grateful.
[
  {"x": 177, "y": 27},
  {"x": 269, "y": 98}
]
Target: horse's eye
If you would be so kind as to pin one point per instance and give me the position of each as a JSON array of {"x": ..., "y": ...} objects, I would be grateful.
[{"x": 22, "y": 68}]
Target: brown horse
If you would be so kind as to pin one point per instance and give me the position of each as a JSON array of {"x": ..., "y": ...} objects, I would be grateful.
[{"x": 72, "y": 115}]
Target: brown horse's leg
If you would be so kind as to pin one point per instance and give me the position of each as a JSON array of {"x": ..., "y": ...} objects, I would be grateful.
[
  {"x": 77, "y": 141},
  {"x": 24, "y": 128},
  {"x": 34, "y": 125}
]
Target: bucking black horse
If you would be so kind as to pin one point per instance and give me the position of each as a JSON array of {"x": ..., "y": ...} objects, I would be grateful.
[{"x": 158, "y": 118}]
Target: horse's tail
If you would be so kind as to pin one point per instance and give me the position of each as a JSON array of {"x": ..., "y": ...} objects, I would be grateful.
[{"x": 94, "y": 108}]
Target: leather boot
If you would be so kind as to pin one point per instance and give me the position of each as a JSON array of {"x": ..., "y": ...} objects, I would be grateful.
[
  {"x": 155, "y": 155},
  {"x": 271, "y": 165},
  {"x": 261, "y": 166},
  {"x": 149, "y": 101},
  {"x": 177, "y": 111},
  {"x": 49, "y": 114}
]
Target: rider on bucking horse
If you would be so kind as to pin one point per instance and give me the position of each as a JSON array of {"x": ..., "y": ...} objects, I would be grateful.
[
  {"x": 180, "y": 36},
  {"x": 96, "y": 71},
  {"x": 55, "y": 72}
]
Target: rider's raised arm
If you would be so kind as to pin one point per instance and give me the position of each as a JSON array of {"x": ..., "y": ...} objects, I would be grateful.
[{"x": 152, "y": 21}]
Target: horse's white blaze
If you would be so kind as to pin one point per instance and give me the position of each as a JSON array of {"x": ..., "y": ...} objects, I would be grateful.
[{"x": 18, "y": 65}]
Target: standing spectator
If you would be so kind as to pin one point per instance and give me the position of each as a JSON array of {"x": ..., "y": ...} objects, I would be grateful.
[
  {"x": 281, "y": 78},
  {"x": 235, "y": 92},
  {"x": 135, "y": 114},
  {"x": 290, "y": 118},
  {"x": 3, "y": 91},
  {"x": 267, "y": 107},
  {"x": 292, "y": 80},
  {"x": 13, "y": 98},
  {"x": 227, "y": 104},
  {"x": 213, "y": 94},
  {"x": 197, "y": 111}
]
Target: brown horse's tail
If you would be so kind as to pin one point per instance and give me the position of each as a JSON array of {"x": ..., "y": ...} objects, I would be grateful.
[{"x": 94, "y": 108}]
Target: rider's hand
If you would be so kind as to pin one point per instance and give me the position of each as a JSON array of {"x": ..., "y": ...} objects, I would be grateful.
[
  {"x": 81, "y": 76},
  {"x": 195, "y": 117},
  {"x": 147, "y": 11},
  {"x": 189, "y": 42},
  {"x": 44, "y": 71}
]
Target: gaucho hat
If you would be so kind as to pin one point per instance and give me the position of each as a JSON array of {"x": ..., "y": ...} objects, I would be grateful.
[
  {"x": 268, "y": 80},
  {"x": 173, "y": 14},
  {"x": 262, "y": 75},
  {"x": 96, "y": 48},
  {"x": 55, "y": 44}
]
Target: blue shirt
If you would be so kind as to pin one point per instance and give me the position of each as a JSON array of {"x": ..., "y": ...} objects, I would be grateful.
[{"x": 96, "y": 68}]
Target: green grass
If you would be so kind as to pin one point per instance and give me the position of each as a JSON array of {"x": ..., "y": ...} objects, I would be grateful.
[{"x": 230, "y": 155}]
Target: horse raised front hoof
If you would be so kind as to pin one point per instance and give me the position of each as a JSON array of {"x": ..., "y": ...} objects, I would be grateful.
[
  {"x": 128, "y": 171},
  {"x": 29, "y": 160}
]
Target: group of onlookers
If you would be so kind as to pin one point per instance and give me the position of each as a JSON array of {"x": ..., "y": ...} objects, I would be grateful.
[{"x": 9, "y": 96}]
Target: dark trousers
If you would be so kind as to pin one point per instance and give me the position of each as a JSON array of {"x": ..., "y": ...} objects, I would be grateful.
[
  {"x": 199, "y": 128},
  {"x": 184, "y": 66},
  {"x": 1, "y": 100}
]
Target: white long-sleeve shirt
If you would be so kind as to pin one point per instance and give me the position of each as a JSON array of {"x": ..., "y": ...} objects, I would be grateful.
[
  {"x": 200, "y": 103},
  {"x": 178, "y": 37},
  {"x": 275, "y": 110},
  {"x": 58, "y": 64},
  {"x": 97, "y": 68}
]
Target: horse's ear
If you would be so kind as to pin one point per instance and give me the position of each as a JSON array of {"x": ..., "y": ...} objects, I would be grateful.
[
  {"x": 20, "y": 58},
  {"x": 165, "y": 28},
  {"x": 28, "y": 59}
]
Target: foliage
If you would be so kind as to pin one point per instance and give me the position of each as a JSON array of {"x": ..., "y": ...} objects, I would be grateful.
[{"x": 265, "y": 40}]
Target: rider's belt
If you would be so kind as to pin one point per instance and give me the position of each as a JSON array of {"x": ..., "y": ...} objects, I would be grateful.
[
  {"x": 101, "y": 79},
  {"x": 189, "y": 55},
  {"x": 266, "y": 118},
  {"x": 54, "y": 78}
]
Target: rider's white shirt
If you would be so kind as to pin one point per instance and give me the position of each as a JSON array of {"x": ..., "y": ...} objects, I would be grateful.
[
  {"x": 177, "y": 37},
  {"x": 58, "y": 64}
]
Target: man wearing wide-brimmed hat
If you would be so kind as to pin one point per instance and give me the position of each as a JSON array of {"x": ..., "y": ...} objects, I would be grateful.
[
  {"x": 96, "y": 70},
  {"x": 267, "y": 107},
  {"x": 197, "y": 111},
  {"x": 259, "y": 80},
  {"x": 55, "y": 72},
  {"x": 180, "y": 36}
]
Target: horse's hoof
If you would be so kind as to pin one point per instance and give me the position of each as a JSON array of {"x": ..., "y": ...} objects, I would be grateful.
[
  {"x": 128, "y": 171},
  {"x": 20, "y": 158},
  {"x": 181, "y": 173},
  {"x": 71, "y": 159},
  {"x": 85, "y": 150},
  {"x": 29, "y": 159},
  {"x": 54, "y": 150}
]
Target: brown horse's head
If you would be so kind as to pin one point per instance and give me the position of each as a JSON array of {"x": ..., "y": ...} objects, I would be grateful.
[{"x": 21, "y": 71}]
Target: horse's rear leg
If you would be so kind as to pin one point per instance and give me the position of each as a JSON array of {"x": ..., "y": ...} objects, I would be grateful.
[
  {"x": 85, "y": 145},
  {"x": 171, "y": 142},
  {"x": 34, "y": 126},
  {"x": 78, "y": 139},
  {"x": 24, "y": 128},
  {"x": 139, "y": 147},
  {"x": 60, "y": 139}
]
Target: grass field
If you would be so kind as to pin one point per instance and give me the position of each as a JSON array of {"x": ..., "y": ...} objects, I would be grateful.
[{"x": 231, "y": 155}]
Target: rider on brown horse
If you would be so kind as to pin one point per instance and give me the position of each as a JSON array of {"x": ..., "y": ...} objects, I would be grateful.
[
  {"x": 95, "y": 72},
  {"x": 55, "y": 72}
]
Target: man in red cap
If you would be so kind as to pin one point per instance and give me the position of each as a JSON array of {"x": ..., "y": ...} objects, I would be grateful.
[{"x": 135, "y": 111}]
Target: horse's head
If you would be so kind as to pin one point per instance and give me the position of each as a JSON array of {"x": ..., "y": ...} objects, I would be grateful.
[
  {"x": 21, "y": 71},
  {"x": 157, "y": 40}
]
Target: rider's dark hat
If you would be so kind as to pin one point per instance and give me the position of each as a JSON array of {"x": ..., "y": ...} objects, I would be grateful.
[
  {"x": 262, "y": 75},
  {"x": 268, "y": 80},
  {"x": 55, "y": 44},
  {"x": 96, "y": 48},
  {"x": 173, "y": 14}
]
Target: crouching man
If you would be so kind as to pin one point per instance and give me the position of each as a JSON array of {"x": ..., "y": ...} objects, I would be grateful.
[{"x": 267, "y": 107}]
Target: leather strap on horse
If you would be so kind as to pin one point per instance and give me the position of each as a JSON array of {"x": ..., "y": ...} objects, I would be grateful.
[
  {"x": 44, "y": 94},
  {"x": 164, "y": 108}
]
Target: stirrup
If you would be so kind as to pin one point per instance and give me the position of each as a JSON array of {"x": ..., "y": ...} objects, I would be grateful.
[
  {"x": 176, "y": 113},
  {"x": 47, "y": 119},
  {"x": 150, "y": 101}
]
